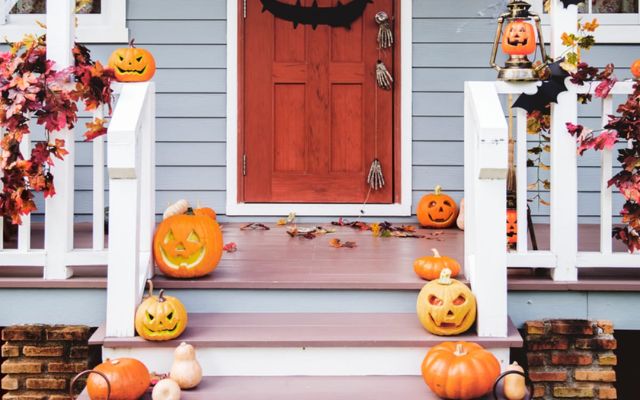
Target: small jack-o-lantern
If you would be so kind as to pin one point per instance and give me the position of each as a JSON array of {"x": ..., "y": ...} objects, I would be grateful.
[
  {"x": 446, "y": 306},
  {"x": 519, "y": 38},
  {"x": 188, "y": 246},
  {"x": 132, "y": 64},
  {"x": 437, "y": 210},
  {"x": 160, "y": 318},
  {"x": 512, "y": 226}
]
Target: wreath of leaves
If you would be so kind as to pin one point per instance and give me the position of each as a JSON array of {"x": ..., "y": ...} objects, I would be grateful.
[{"x": 31, "y": 88}]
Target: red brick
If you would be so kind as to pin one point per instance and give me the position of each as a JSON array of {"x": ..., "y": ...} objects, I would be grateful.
[
  {"x": 539, "y": 391},
  {"x": 67, "y": 333},
  {"x": 21, "y": 367},
  {"x": 608, "y": 359},
  {"x": 25, "y": 396},
  {"x": 594, "y": 376},
  {"x": 79, "y": 352},
  {"x": 43, "y": 351},
  {"x": 46, "y": 383},
  {"x": 548, "y": 376},
  {"x": 584, "y": 344},
  {"x": 571, "y": 359},
  {"x": 22, "y": 332},
  {"x": 572, "y": 327},
  {"x": 63, "y": 367},
  {"x": 536, "y": 359},
  {"x": 605, "y": 326},
  {"x": 581, "y": 392},
  {"x": 606, "y": 393},
  {"x": 534, "y": 327},
  {"x": 9, "y": 350},
  {"x": 606, "y": 344},
  {"x": 547, "y": 343},
  {"x": 10, "y": 383}
]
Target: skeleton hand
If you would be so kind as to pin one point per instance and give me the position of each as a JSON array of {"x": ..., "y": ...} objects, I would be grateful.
[
  {"x": 385, "y": 35},
  {"x": 375, "y": 178},
  {"x": 383, "y": 77}
]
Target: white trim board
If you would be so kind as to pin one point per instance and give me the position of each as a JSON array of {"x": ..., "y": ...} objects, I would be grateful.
[{"x": 233, "y": 207}]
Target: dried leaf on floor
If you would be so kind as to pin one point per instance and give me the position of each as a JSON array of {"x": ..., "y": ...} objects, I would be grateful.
[
  {"x": 230, "y": 247},
  {"x": 337, "y": 243},
  {"x": 254, "y": 226}
]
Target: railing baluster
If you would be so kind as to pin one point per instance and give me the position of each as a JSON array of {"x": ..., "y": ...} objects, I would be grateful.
[
  {"x": 606, "y": 171},
  {"x": 521, "y": 174},
  {"x": 98, "y": 188},
  {"x": 24, "y": 230}
]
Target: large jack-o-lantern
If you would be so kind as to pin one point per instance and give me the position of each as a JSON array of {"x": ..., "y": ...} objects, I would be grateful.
[
  {"x": 160, "y": 318},
  {"x": 437, "y": 210},
  {"x": 132, "y": 64},
  {"x": 446, "y": 306},
  {"x": 188, "y": 246}
]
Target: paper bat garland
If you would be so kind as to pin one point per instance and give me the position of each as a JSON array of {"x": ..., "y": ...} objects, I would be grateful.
[
  {"x": 547, "y": 92},
  {"x": 342, "y": 15}
]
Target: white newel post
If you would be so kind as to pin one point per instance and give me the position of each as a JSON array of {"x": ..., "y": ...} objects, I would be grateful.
[
  {"x": 486, "y": 130},
  {"x": 564, "y": 164},
  {"x": 59, "y": 208}
]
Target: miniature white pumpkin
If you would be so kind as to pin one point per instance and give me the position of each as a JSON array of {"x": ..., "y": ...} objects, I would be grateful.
[
  {"x": 179, "y": 207},
  {"x": 186, "y": 370},
  {"x": 166, "y": 389},
  {"x": 460, "y": 220}
]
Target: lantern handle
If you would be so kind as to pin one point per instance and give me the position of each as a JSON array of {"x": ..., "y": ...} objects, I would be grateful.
[{"x": 494, "y": 51}]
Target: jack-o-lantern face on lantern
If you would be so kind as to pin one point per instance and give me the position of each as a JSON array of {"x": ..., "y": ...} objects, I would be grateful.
[
  {"x": 437, "y": 210},
  {"x": 132, "y": 64},
  {"x": 512, "y": 226},
  {"x": 160, "y": 318},
  {"x": 519, "y": 38},
  {"x": 187, "y": 246},
  {"x": 446, "y": 306}
]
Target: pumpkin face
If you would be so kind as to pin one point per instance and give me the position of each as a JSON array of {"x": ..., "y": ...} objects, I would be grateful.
[
  {"x": 132, "y": 64},
  {"x": 635, "y": 69},
  {"x": 460, "y": 370},
  {"x": 430, "y": 267},
  {"x": 512, "y": 226},
  {"x": 519, "y": 39},
  {"x": 446, "y": 306},
  {"x": 160, "y": 318},
  {"x": 187, "y": 246},
  {"x": 129, "y": 379},
  {"x": 437, "y": 210}
]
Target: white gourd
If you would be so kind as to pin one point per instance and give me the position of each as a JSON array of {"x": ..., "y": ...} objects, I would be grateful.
[
  {"x": 186, "y": 370},
  {"x": 460, "y": 220},
  {"x": 179, "y": 207},
  {"x": 166, "y": 389}
]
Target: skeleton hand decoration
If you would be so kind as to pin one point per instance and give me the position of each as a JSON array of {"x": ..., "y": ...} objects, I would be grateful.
[
  {"x": 385, "y": 35},
  {"x": 375, "y": 178},
  {"x": 384, "y": 78}
]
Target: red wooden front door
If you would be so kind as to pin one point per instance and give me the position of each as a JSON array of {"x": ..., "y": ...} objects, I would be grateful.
[{"x": 309, "y": 109}]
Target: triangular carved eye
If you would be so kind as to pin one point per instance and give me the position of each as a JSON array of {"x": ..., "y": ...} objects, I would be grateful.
[
  {"x": 460, "y": 300},
  {"x": 170, "y": 316},
  {"x": 169, "y": 237},
  {"x": 435, "y": 301},
  {"x": 150, "y": 317},
  {"x": 193, "y": 237}
]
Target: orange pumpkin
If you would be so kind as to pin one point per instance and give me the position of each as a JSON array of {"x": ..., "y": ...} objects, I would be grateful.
[
  {"x": 512, "y": 226},
  {"x": 129, "y": 379},
  {"x": 635, "y": 69},
  {"x": 437, "y": 210},
  {"x": 206, "y": 211},
  {"x": 430, "y": 267},
  {"x": 460, "y": 370},
  {"x": 187, "y": 246},
  {"x": 132, "y": 64},
  {"x": 519, "y": 38}
]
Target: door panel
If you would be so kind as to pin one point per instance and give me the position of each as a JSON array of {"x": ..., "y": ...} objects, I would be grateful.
[{"x": 311, "y": 109}]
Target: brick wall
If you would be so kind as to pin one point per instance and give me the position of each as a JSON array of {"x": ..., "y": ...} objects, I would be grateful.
[
  {"x": 39, "y": 360},
  {"x": 571, "y": 359}
]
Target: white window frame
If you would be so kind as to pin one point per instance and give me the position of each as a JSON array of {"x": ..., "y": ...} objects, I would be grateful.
[
  {"x": 614, "y": 28},
  {"x": 107, "y": 27}
]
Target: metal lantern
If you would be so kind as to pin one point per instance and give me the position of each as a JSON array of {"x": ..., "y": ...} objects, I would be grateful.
[{"x": 518, "y": 41}]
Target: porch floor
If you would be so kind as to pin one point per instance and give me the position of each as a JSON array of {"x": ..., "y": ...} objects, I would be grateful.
[{"x": 273, "y": 260}]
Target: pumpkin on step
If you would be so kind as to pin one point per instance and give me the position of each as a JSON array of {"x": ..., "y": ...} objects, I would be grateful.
[
  {"x": 460, "y": 370},
  {"x": 430, "y": 267},
  {"x": 437, "y": 210},
  {"x": 206, "y": 211},
  {"x": 185, "y": 370},
  {"x": 166, "y": 389},
  {"x": 128, "y": 378},
  {"x": 160, "y": 318},
  {"x": 446, "y": 306},
  {"x": 132, "y": 64}
]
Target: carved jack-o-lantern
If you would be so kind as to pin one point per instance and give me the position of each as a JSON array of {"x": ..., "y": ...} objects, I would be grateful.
[
  {"x": 519, "y": 38},
  {"x": 160, "y": 318},
  {"x": 437, "y": 210},
  {"x": 446, "y": 306},
  {"x": 187, "y": 246},
  {"x": 512, "y": 226},
  {"x": 132, "y": 64}
]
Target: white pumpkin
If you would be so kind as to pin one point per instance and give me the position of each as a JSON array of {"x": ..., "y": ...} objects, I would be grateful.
[
  {"x": 185, "y": 369},
  {"x": 460, "y": 220},
  {"x": 166, "y": 389},
  {"x": 179, "y": 207}
]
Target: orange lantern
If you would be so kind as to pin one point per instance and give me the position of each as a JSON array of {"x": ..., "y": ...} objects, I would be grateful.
[{"x": 519, "y": 38}]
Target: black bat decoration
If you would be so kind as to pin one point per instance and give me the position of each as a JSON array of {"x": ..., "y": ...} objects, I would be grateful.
[
  {"x": 342, "y": 15},
  {"x": 547, "y": 92},
  {"x": 567, "y": 3}
]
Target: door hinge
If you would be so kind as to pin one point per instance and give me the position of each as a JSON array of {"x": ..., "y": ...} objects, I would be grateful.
[
  {"x": 244, "y": 165},
  {"x": 244, "y": 8}
]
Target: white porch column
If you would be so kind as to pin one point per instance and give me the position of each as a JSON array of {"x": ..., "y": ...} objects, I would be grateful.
[
  {"x": 59, "y": 208},
  {"x": 564, "y": 164}
]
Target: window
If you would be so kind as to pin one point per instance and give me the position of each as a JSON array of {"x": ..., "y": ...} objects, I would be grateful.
[
  {"x": 619, "y": 19},
  {"x": 99, "y": 21}
]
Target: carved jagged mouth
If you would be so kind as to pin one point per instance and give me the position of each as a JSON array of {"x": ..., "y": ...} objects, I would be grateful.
[
  {"x": 184, "y": 264},
  {"x": 152, "y": 332},
  {"x": 518, "y": 43},
  {"x": 449, "y": 324},
  {"x": 132, "y": 71},
  {"x": 439, "y": 220}
]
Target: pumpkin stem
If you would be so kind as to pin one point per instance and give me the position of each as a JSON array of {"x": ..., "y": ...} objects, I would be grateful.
[
  {"x": 436, "y": 253},
  {"x": 438, "y": 190},
  {"x": 131, "y": 42},
  {"x": 460, "y": 350},
  {"x": 150, "y": 284},
  {"x": 161, "y": 298},
  {"x": 445, "y": 277}
]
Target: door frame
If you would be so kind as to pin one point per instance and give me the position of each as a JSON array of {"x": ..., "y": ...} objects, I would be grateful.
[{"x": 401, "y": 205}]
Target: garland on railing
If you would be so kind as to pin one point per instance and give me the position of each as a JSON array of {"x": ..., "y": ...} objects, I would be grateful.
[{"x": 30, "y": 88}]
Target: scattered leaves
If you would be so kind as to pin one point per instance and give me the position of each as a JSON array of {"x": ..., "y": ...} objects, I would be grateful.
[
  {"x": 254, "y": 226},
  {"x": 337, "y": 243},
  {"x": 230, "y": 247}
]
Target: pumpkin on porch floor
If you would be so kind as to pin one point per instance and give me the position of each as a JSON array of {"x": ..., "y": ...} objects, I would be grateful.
[
  {"x": 132, "y": 64},
  {"x": 460, "y": 370},
  {"x": 160, "y": 318},
  {"x": 430, "y": 267},
  {"x": 446, "y": 306},
  {"x": 437, "y": 210},
  {"x": 127, "y": 377}
]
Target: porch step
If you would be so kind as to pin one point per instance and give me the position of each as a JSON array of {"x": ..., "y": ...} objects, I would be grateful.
[
  {"x": 297, "y": 344},
  {"x": 308, "y": 388}
]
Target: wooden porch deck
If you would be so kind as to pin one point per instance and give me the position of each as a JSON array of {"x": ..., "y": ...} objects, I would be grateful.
[{"x": 273, "y": 260}]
